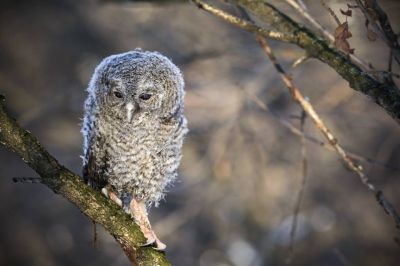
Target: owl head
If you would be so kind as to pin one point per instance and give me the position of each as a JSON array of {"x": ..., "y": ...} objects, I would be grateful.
[{"x": 137, "y": 82}]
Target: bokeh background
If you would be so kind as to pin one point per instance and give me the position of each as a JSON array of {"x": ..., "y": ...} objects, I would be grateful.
[{"x": 241, "y": 170}]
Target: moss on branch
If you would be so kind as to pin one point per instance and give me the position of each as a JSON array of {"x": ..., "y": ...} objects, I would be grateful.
[
  {"x": 69, "y": 185},
  {"x": 386, "y": 95}
]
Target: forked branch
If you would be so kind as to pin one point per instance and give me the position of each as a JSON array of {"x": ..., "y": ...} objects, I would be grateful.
[
  {"x": 285, "y": 29},
  {"x": 319, "y": 123},
  {"x": 269, "y": 14},
  {"x": 69, "y": 185}
]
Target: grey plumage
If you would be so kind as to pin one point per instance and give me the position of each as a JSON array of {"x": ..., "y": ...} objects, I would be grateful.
[{"x": 133, "y": 126}]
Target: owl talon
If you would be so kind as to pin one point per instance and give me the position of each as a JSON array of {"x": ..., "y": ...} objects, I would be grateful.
[
  {"x": 139, "y": 213},
  {"x": 111, "y": 195},
  {"x": 160, "y": 245},
  {"x": 104, "y": 191},
  {"x": 148, "y": 243},
  {"x": 152, "y": 239}
]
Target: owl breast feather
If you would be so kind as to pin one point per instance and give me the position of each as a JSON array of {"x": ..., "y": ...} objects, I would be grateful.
[{"x": 140, "y": 159}]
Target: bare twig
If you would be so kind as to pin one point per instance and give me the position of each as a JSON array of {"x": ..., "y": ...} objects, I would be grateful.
[
  {"x": 331, "y": 12},
  {"x": 301, "y": 8},
  {"x": 303, "y": 12},
  {"x": 32, "y": 180},
  {"x": 94, "y": 234},
  {"x": 302, "y": 186},
  {"x": 244, "y": 24},
  {"x": 69, "y": 185},
  {"x": 302, "y": 4},
  {"x": 300, "y": 99},
  {"x": 386, "y": 95},
  {"x": 341, "y": 257},
  {"x": 384, "y": 29},
  {"x": 309, "y": 109},
  {"x": 293, "y": 129},
  {"x": 300, "y": 60},
  {"x": 387, "y": 73}
]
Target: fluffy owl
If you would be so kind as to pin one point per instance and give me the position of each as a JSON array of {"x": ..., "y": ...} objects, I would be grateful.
[{"x": 133, "y": 128}]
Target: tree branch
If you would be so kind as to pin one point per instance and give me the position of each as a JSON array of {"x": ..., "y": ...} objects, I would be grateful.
[
  {"x": 69, "y": 185},
  {"x": 373, "y": 12},
  {"x": 300, "y": 8},
  {"x": 319, "y": 123},
  {"x": 385, "y": 95},
  {"x": 294, "y": 130},
  {"x": 317, "y": 120},
  {"x": 300, "y": 195}
]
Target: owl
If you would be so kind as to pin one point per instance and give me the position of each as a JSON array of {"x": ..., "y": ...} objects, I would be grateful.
[{"x": 133, "y": 129}]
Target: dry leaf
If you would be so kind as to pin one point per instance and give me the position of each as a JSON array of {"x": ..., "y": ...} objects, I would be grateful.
[
  {"x": 347, "y": 13},
  {"x": 339, "y": 31},
  {"x": 342, "y": 33},
  {"x": 372, "y": 36},
  {"x": 344, "y": 45}
]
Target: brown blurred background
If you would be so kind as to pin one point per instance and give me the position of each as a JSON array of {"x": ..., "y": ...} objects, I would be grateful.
[{"x": 241, "y": 170}]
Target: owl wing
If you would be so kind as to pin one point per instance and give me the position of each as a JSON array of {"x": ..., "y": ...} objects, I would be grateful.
[{"x": 94, "y": 169}]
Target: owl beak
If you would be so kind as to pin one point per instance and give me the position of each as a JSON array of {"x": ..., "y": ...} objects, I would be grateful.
[{"x": 130, "y": 108}]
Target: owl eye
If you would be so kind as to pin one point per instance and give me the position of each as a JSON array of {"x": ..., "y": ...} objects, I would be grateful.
[
  {"x": 145, "y": 96},
  {"x": 118, "y": 94}
]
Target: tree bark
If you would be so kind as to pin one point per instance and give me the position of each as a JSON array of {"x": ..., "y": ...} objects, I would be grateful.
[
  {"x": 69, "y": 185},
  {"x": 384, "y": 94}
]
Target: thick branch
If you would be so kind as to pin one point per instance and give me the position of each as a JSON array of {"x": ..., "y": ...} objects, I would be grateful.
[
  {"x": 69, "y": 185},
  {"x": 319, "y": 123},
  {"x": 309, "y": 109},
  {"x": 385, "y": 95},
  {"x": 300, "y": 7}
]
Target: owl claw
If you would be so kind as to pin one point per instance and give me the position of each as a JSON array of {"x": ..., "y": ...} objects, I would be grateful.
[
  {"x": 160, "y": 245},
  {"x": 152, "y": 240},
  {"x": 149, "y": 242},
  {"x": 139, "y": 213},
  {"x": 104, "y": 191},
  {"x": 111, "y": 195}
]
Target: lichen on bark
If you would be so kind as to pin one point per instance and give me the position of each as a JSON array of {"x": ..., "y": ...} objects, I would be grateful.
[
  {"x": 384, "y": 94},
  {"x": 69, "y": 185}
]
